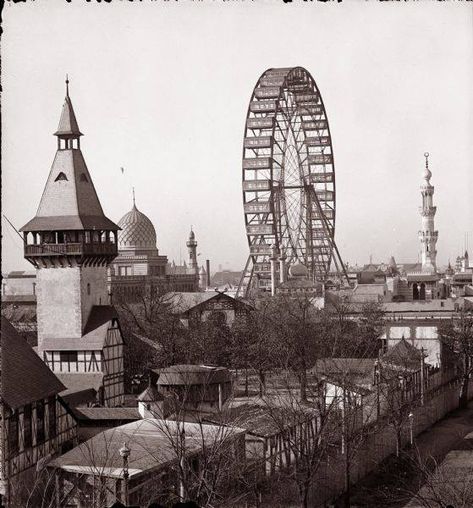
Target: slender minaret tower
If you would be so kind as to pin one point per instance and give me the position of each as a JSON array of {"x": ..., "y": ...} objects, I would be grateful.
[
  {"x": 428, "y": 236},
  {"x": 192, "y": 248},
  {"x": 71, "y": 242}
]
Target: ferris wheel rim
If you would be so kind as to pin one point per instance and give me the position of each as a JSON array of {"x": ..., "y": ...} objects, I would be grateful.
[{"x": 248, "y": 195}]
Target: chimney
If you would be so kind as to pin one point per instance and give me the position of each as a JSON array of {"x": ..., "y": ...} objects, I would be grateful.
[{"x": 207, "y": 267}]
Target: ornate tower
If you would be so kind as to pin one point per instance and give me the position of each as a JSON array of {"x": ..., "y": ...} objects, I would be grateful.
[
  {"x": 192, "y": 248},
  {"x": 71, "y": 242},
  {"x": 427, "y": 235}
]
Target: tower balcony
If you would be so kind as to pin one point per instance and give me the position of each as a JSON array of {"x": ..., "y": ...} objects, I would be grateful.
[{"x": 71, "y": 249}]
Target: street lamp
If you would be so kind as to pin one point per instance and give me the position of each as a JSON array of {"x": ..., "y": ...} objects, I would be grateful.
[
  {"x": 411, "y": 428},
  {"x": 125, "y": 453}
]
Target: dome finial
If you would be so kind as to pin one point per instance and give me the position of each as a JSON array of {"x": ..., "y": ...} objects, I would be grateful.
[
  {"x": 133, "y": 191},
  {"x": 427, "y": 173},
  {"x": 67, "y": 85}
]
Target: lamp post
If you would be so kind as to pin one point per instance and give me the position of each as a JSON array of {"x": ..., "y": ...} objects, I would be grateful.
[
  {"x": 125, "y": 453},
  {"x": 411, "y": 428}
]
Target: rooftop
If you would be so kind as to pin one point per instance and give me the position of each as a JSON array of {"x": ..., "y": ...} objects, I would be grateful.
[
  {"x": 193, "y": 375},
  {"x": 88, "y": 414},
  {"x": 262, "y": 419},
  {"x": 151, "y": 443},
  {"x": 183, "y": 302},
  {"x": 25, "y": 377},
  {"x": 95, "y": 332},
  {"x": 428, "y": 306},
  {"x": 80, "y": 382},
  {"x": 137, "y": 231},
  {"x": 69, "y": 200}
]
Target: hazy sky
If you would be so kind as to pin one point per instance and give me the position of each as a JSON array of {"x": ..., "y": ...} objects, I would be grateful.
[{"x": 162, "y": 88}]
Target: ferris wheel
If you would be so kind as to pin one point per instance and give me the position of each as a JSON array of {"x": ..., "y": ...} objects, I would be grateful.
[{"x": 288, "y": 175}]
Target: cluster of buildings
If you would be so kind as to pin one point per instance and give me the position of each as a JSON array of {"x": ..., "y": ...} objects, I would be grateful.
[
  {"x": 70, "y": 413},
  {"x": 62, "y": 365}
]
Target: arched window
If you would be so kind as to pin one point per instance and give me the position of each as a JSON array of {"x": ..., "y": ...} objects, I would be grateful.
[
  {"x": 61, "y": 176},
  {"x": 415, "y": 291},
  {"x": 88, "y": 288}
]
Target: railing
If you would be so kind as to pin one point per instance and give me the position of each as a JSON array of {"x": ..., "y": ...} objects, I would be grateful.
[{"x": 74, "y": 249}]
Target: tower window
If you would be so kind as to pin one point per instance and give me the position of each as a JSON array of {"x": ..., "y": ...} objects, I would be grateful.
[
  {"x": 83, "y": 177},
  {"x": 88, "y": 288},
  {"x": 61, "y": 176}
]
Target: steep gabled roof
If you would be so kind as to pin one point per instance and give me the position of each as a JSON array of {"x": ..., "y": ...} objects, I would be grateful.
[
  {"x": 24, "y": 376},
  {"x": 69, "y": 200},
  {"x": 403, "y": 354},
  {"x": 69, "y": 203},
  {"x": 68, "y": 124},
  {"x": 183, "y": 302}
]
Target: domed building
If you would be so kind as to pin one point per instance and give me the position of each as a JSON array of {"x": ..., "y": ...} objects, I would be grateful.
[
  {"x": 137, "y": 232},
  {"x": 139, "y": 269},
  {"x": 298, "y": 283}
]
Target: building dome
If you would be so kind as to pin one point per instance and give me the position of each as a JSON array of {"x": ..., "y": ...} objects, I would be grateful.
[
  {"x": 298, "y": 270},
  {"x": 137, "y": 231}
]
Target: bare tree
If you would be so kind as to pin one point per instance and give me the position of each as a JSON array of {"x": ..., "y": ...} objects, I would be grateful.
[
  {"x": 154, "y": 331},
  {"x": 457, "y": 338},
  {"x": 254, "y": 346}
]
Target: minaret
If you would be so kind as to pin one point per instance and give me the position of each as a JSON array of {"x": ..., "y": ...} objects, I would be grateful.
[
  {"x": 428, "y": 236},
  {"x": 192, "y": 248},
  {"x": 71, "y": 242}
]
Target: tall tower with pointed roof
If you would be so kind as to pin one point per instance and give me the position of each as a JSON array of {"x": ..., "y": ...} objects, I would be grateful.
[
  {"x": 192, "y": 249},
  {"x": 427, "y": 235},
  {"x": 71, "y": 242}
]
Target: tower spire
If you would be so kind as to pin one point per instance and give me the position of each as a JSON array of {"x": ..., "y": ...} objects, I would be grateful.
[
  {"x": 134, "y": 204},
  {"x": 68, "y": 128}
]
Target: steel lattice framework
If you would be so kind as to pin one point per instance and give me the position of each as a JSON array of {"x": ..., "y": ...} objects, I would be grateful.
[{"x": 288, "y": 177}]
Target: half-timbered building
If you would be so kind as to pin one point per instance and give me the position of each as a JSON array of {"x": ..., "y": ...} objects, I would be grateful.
[{"x": 35, "y": 424}]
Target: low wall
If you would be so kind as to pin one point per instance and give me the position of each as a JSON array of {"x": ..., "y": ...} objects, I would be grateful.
[{"x": 380, "y": 443}]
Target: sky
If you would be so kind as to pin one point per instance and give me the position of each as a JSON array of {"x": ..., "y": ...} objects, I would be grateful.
[{"x": 162, "y": 89}]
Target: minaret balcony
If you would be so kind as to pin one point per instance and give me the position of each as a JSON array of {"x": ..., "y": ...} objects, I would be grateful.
[
  {"x": 71, "y": 249},
  {"x": 429, "y": 211}
]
